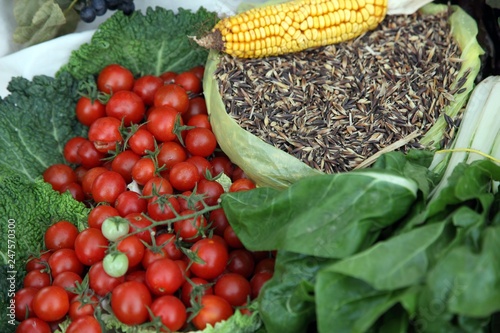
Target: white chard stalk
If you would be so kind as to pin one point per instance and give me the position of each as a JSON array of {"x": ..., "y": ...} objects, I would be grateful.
[{"x": 478, "y": 136}]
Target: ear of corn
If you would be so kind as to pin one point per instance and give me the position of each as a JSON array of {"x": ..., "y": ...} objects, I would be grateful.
[{"x": 294, "y": 26}]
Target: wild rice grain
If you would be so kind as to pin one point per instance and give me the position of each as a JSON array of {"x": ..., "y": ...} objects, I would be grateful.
[{"x": 335, "y": 106}]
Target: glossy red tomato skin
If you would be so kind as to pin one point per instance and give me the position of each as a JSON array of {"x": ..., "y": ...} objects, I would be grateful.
[
  {"x": 127, "y": 107},
  {"x": 164, "y": 207},
  {"x": 138, "y": 221},
  {"x": 200, "y": 142},
  {"x": 161, "y": 122},
  {"x": 33, "y": 325},
  {"x": 164, "y": 277},
  {"x": 204, "y": 166},
  {"x": 75, "y": 190},
  {"x": 211, "y": 189},
  {"x": 222, "y": 164},
  {"x": 100, "y": 282},
  {"x": 190, "y": 82},
  {"x": 59, "y": 235},
  {"x": 215, "y": 257},
  {"x": 265, "y": 265},
  {"x": 89, "y": 177},
  {"x": 23, "y": 299},
  {"x": 90, "y": 157},
  {"x": 242, "y": 184},
  {"x": 170, "y": 154},
  {"x": 171, "y": 311},
  {"x": 123, "y": 164},
  {"x": 167, "y": 241},
  {"x": 199, "y": 71},
  {"x": 105, "y": 134},
  {"x": 214, "y": 309},
  {"x": 232, "y": 239},
  {"x": 37, "y": 279},
  {"x": 87, "y": 324},
  {"x": 100, "y": 213},
  {"x": 197, "y": 105},
  {"x": 130, "y": 302},
  {"x": 157, "y": 186},
  {"x": 146, "y": 87},
  {"x": 234, "y": 288},
  {"x": 129, "y": 202},
  {"x": 133, "y": 248},
  {"x": 91, "y": 246},
  {"x": 144, "y": 170},
  {"x": 187, "y": 289},
  {"x": 70, "y": 150},
  {"x": 113, "y": 78},
  {"x": 258, "y": 280},
  {"x": 38, "y": 262},
  {"x": 218, "y": 221},
  {"x": 184, "y": 176},
  {"x": 88, "y": 111},
  {"x": 172, "y": 95},
  {"x": 108, "y": 186},
  {"x": 67, "y": 280},
  {"x": 200, "y": 120},
  {"x": 79, "y": 309},
  {"x": 190, "y": 229},
  {"x": 142, "y": 141},
  {"x": 51, "y": 303},
  {"x": 64, "y": 260},
  {"x": 168, "y": 77},
  {"x": 242, "y": 262},
  {"x": 58, "y": 175}
]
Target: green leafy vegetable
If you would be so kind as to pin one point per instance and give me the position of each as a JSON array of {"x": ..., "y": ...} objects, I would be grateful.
[
  {"x": 150, "y": 43},
  {"x": 27, "y": 208},
  {"x": 41, "y": 20},
  {"x": 315, "y": 215},
  {"x": 37, "y": 119}
]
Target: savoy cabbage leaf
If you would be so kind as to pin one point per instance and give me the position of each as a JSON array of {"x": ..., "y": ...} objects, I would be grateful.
[
  {"x": 36, "y": 120},
  {"x": 151, "y": 43}
]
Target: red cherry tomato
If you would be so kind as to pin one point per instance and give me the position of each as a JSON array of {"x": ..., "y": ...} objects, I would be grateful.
[
  {"x": 33, "y": 325},
  {"x": 133, "y": 248},
  {"x": 234, "y": 288},
  {"x": 189, "y": 81},
  {"x": 58, "y": 175},
  {"x": 60, "y": 235},
  {"x": 127, "y": 107},
  {"x": 23, "y": 299},
  {"x": 87, "y": 110},
  {"x": 90, "y": 246},
  {"x": 172, "y": 95},
  {"x": 65, "y": 260},
  {"x": 108, "y": 186},
  {"x": 130, "y": 302},
  {"x": 90, "y": 157},
  {"x": 146, "y": 87},
  {"x": 100, "y": 213},
  {"x": 171, "y": 311},
  {"x": 105, "y": 134},
  {"x": 142, "y": 141},
  {"x": 129, "y": 202},
  {"x": 71, "y": 147},
  {"x": 88, "y": 324},
  {"x": 100, "y": 282},
  {"x": 113, "y": 78},
  {"x": 213, "y": 310},
  {"x": 200, "y": 141},
  {"x": 184, "y": 176},
  {"x": 161, "y": 122},
  {"x": 51, "y": 303},
  {"x": 164, "y": 277},
  {"x": 124, "y": 162},
  {"x": 214, "y": 255}
]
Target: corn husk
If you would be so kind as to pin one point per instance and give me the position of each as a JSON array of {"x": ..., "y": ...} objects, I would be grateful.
[{"x": 270, "y": 166}]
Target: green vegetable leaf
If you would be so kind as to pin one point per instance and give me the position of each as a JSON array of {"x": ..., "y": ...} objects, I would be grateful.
[
  {"x": 398, "y": 262},
  {"x": 41, "y": 20},
  {"x": 286, "y": 302},
  {"x": 330, "y": 216},
  {"x": 348, "y": 305},
  {"x": 149, "y": 43},
  {"x": 37, "y": 119}
]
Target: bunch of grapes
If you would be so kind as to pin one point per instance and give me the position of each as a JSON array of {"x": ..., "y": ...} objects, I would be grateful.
[{"x": 90, "y": 9}]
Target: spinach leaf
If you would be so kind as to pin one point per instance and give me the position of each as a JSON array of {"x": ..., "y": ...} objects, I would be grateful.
[
  {"x": 398, "y": 262},
  {"x": 286, "y": 302},
  {"x": 331, "y": 216},
  {"x": 346, "y": 304}
]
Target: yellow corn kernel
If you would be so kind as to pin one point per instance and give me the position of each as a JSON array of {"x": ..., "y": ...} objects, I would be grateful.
[{"x": 294, "y": 26}]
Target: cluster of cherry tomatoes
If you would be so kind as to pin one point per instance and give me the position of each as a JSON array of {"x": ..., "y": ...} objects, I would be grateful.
[{"x": 159, "y": 249}]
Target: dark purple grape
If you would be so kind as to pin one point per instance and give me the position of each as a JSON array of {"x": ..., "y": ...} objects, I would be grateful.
[
  {"x": 113, "y": 4},
  {"x": 99, "y": 7},
  {"x": 127, "y": 7},
  {"x": 87, "y": 14}
]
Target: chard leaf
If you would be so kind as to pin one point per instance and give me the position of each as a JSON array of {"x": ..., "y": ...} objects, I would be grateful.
[
  {"x": 37, "y": 118},
  {"x": 348, "y": 305},
  {"x": 286, "y": 302},
  {"x": 150, "y": 43},
  {"x": 398, "y": 262},
  {"x": 330, "y": 216}
]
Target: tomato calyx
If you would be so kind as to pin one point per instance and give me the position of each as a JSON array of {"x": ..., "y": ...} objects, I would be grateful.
[
  {"x": 88, "y": 88},
  {"x": 179, "y": 128}
]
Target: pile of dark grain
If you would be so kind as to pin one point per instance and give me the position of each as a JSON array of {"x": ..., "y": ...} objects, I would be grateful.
[{"x": 335, "y": 106}]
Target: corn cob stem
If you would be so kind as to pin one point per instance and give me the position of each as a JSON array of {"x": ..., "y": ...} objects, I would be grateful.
[{"x": 293, "y": 26}]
